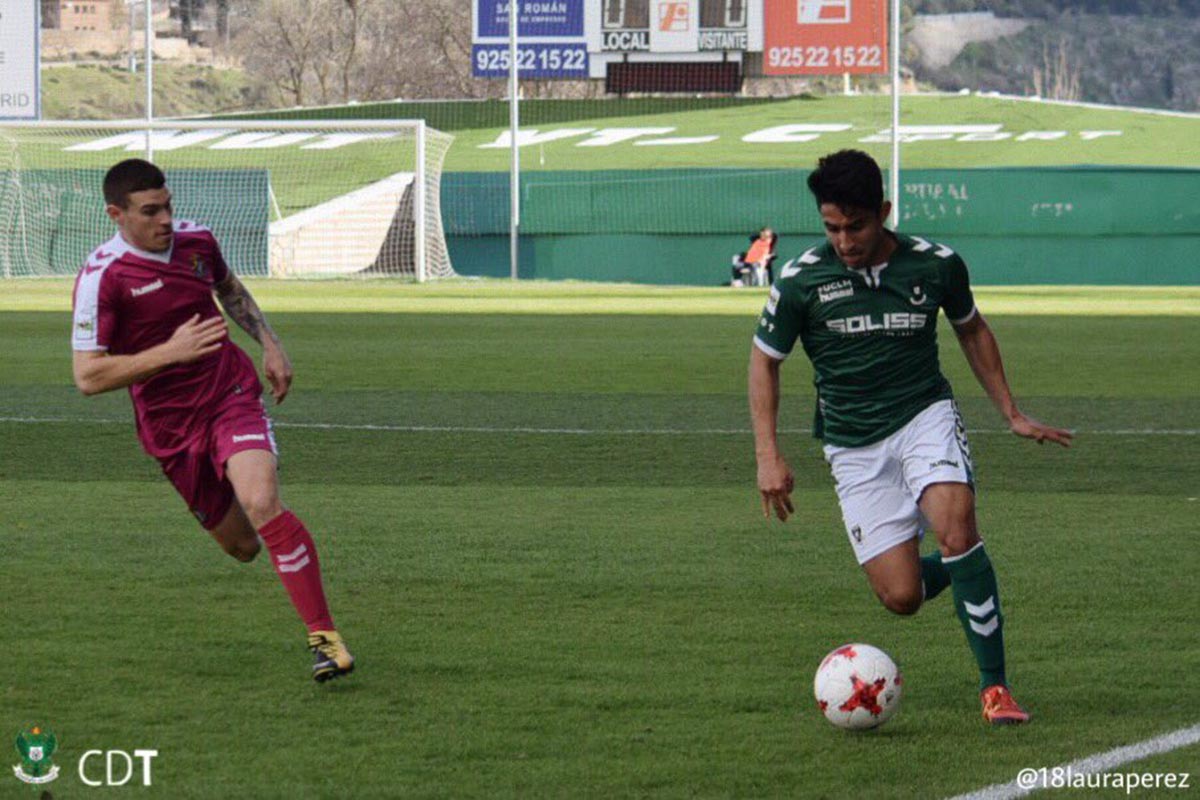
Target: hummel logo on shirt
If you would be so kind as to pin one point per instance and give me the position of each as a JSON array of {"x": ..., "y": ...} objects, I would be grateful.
[
  {"x": 147, "y": 289},
  {"x": 249, "y": 437},
  {"x": 835, "y": 290}
]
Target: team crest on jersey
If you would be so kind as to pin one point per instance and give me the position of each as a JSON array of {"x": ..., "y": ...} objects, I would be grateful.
[
  {"x": 918, "y": 297},
  {"x": 198, "y": 266},
  {"x": 835, "y": 291}
]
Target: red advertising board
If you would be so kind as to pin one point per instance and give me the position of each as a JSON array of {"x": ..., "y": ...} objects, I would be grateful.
[{"x": 824, "y": 37}]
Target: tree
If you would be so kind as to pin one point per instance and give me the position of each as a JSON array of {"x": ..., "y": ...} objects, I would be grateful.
[
  {"x": 420, "y": 50},
  {"x": 350, "y": 33},
  {"x": 51, "y": 14},
  {"x": 223, "y": 20},
  {"x": 279, "y": 41},
  {"x": 1058, "y": 78},
  {"x": 187, "y": 10},
  {"x": 328, "y": 51}
]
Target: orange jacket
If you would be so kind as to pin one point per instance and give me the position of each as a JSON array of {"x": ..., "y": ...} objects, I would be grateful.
[{"x": 758, "y": 252}]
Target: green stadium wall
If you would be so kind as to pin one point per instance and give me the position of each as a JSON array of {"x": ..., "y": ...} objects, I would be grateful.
[{"x": 1013, "y": 226}]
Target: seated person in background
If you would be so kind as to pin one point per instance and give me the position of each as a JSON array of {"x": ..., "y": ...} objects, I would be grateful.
[{"x": 753, "y": 267}]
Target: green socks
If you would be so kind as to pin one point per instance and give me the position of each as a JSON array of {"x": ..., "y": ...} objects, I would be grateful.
[
  {"x": 934, "y": 575},
  {"x": 978, "y": 605}
]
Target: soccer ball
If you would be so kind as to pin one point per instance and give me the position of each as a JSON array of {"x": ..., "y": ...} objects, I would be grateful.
[{"x": 858, "y": 687}]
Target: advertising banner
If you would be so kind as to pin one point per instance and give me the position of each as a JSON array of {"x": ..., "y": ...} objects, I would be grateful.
[
  {"x": 557, "y": 19},
  {"x": 536, "y": 61},
  {"x": 550, "y": 36},
  {"x": 825, "y": 37},
  {"x": 674, "y": 26},
  {"x": 19, "y": 60}
]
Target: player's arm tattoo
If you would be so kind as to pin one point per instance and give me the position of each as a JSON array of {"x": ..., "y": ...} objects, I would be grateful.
[{"x": 240, "y": 306}]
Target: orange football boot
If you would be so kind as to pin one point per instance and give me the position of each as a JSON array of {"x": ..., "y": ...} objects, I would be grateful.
[{"x": 999, "y": 708}]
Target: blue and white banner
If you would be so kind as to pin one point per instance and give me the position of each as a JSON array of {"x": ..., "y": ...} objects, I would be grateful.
[
  {"x": 535, "y": 61},
  {"x": 551, "y": 19},
  {"x": 550, "y": 37}
]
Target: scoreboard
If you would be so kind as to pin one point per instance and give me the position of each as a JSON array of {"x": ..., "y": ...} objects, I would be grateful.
[
  {"x": 640, "y": 45},
  {"x": 626, "y": 25}
]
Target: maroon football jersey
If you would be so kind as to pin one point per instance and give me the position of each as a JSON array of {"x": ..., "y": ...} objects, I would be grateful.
[{"x": 128, "y": 300}]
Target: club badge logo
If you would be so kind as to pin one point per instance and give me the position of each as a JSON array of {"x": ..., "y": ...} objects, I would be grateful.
[
  {"x": 198, "y": 266},
  {"x": 36, "y": 747}
]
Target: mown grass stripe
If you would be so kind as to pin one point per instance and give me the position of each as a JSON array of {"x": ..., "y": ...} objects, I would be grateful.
[{"x": 570, "y": 431}]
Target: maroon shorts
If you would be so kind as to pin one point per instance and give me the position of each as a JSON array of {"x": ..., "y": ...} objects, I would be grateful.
[{"x": 198, "y": 473}]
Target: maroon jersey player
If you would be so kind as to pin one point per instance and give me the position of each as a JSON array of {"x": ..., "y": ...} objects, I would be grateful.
[{"x": 145, "y": 318}]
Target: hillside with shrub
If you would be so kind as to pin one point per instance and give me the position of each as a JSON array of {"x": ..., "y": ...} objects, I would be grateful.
[{"x": 1123, "y": 52}]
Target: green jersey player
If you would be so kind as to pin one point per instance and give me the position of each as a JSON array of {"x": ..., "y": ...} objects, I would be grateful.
[{"x": 864, "y": 307}]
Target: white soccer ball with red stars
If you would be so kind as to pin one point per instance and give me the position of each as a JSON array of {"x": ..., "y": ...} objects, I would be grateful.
[{"x": 858, "y": 687}]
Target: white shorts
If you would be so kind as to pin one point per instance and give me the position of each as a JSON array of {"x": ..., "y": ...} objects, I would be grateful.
[{"x": 878, "y": 486}]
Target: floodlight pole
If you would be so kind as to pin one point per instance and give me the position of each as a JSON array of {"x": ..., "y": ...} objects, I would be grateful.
[
  {"x": 895, "y": 171},
  {"x": 514, "y": 117},
  {"x": 149, "y": 76}
]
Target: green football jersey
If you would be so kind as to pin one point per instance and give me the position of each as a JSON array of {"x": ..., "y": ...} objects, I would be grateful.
[{"x": 871, "y": 334}]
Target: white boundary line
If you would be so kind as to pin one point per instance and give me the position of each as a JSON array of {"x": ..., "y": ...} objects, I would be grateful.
[
  {"x": 1029, "y": 780},
  {"x": 1162, "y": 112},
  {"x": 334, "y": 426}
]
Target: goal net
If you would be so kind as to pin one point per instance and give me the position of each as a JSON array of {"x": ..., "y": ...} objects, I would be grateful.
[{"x": 310, "y": 198}]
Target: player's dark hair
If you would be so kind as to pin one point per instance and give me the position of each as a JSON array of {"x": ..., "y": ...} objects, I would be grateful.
[
  {"x": 848, "y": 179},
  {"x": 129, "y": 176}
]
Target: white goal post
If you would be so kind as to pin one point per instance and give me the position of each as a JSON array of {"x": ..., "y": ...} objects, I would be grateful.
[{"x": 285, "y": 198}]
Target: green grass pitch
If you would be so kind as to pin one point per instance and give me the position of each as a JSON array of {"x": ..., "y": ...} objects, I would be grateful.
[
  {"x": 301, "y": 178},
  {"x": 1118, "y": 135},
  {"x": 540, "y": 533},
  {"x": 1143, "y": 139}
]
